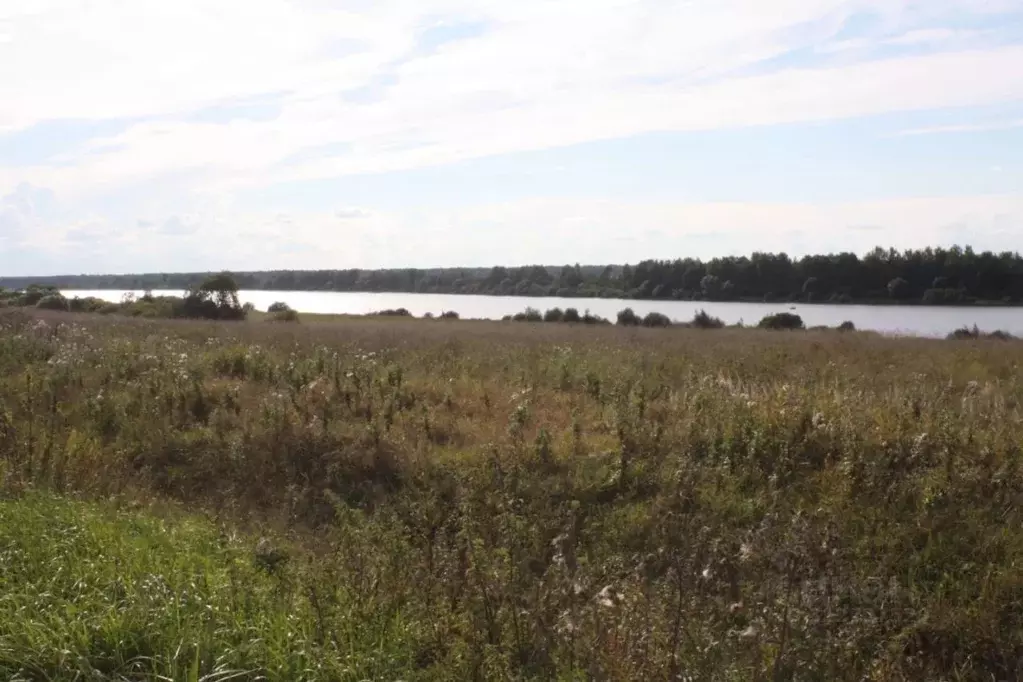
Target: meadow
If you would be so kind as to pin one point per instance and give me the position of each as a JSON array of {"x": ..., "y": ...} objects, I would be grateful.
[{"x": 395, "y": 499}]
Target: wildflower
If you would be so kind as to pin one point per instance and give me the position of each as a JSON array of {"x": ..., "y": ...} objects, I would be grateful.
[
  {"x": 745, "y": 551},
  {"x": 607, "y": 597}
]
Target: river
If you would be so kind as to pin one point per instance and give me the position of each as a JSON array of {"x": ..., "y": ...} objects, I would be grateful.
[{"x": 911, "y": 320}]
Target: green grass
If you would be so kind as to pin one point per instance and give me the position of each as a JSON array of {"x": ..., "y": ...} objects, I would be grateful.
[
  {"x": 461, "y": 500},
  {"x": 91, "y": 591}
]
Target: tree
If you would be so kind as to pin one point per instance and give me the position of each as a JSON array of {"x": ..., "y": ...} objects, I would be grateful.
[
  {"x": 215, "y": 298},
  {"x": 898, "y": 289},
  {"x": 710, "y": 285}
]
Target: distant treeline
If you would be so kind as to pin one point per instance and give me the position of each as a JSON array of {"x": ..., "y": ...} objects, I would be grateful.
[{"x": 934, "y": 276}]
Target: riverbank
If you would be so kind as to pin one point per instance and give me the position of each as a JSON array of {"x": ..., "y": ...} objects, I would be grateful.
[{"x": 383, "y": 498}]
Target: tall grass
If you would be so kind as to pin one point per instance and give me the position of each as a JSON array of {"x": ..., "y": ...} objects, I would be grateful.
[{"x": 485, "y": 501}]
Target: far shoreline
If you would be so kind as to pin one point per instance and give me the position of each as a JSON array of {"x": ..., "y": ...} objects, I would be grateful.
[{"x": 865, "y": 303}]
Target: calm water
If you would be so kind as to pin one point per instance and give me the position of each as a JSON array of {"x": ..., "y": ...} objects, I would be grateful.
[{"x": 921, "y": 321}]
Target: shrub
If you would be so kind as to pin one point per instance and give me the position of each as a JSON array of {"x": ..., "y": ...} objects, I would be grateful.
[
  {"x": 968, "y": 334},
  {"x": 449, "y": 315},
  {"x": 288, "y": 315},
  {"x": 35, "y": 293},
  {"x": 529, "y": 315},
  {"x": 655, "y": 319},
  {"x": 554, "y": 315},
  {"x": 847, "y": 326},
  {"x": 964, "y": 333},
  {"x": 427, "y": 316},
  {"x": 109, "y": 309},
  {"x": 53, "y": 302},
  {"x": 88, "y": 304},
  {"x": 629, "y": 318},
  {"x": 278, "y": 307},
  {"x": 594, "y": 319},
  {"x": 571, "y": 315},
  {"x": 400, "y": 312},
  {"x": 702, "y": 320},
  {"x": 782, "y": 321}
]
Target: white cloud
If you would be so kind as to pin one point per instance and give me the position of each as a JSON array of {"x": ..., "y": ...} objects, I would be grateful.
[
  {"x": 356, "y": 96},
  {"x": 549, "y": 231},
  {"x": 964, "y": 128},
  {"x": 544, "y": 74},
  {"x": 923, "y": 36}
]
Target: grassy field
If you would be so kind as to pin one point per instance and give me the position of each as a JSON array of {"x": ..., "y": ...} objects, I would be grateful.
[{"x": 389, "y": 499}]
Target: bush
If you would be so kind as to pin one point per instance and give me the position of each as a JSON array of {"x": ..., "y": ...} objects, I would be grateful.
[
  {"x": 109, "y": 309},
  {"x": 970, "y": 334},
  {"x": 571, "y": 315},
  {"x": 654, "y": 319},
  {"x": 53, "y": 302},
  {"x": 702, "y": 320},
  {"x": 554, "y": 315},
  {"x": 278, "y": 307},
  {"x": 88, "y": 304},
  {"x": 427, "y": 316},
  {"x": 847, "y": 326},
  {"x": 529, "y": 315},
  {"x": 35, "y": 293},
  {"x": 629, "y": 318},
  {"x": 594, "y": 319},
  {"x": 449, "y": 315},
  {"x": 288, "y": 315},
  {"x": 782, "y": 321},
  {"x": 400, "y": 312},
  {"x": 965, "y": 333}
]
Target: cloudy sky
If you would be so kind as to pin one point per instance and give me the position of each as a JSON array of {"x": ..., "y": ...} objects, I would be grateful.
[{"x": 142, "y": 135}]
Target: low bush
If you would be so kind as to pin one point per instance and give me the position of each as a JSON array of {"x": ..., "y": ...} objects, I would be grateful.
[
  {"x": 53, "y": 302},
  {"x": 528, "y": 315},
  {"x": 702, "y": 320},
  {"x": 449, "y": 315},
  {"x": 655, "y": 319},
  {"x": 782, "y": 321},
  {"x": 554, "y": 315},
  {"x": 278, "y": 307},
  {"x": 973, "y": 333},
  {"x": 629, "y": 318},
  {"x": 288, "y": 315}
]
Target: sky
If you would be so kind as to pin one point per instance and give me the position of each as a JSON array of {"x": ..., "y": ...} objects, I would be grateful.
[{"x": 186, "y": 135}]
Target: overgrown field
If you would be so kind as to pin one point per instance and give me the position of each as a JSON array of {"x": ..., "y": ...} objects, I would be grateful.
[{"x": 439, "y": 500}]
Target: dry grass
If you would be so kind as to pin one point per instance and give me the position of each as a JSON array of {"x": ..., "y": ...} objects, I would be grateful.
[{"x": 518, "y": 501}]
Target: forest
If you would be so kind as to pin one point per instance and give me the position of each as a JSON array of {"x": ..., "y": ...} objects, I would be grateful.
[{"x": 934, "y": 276}]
